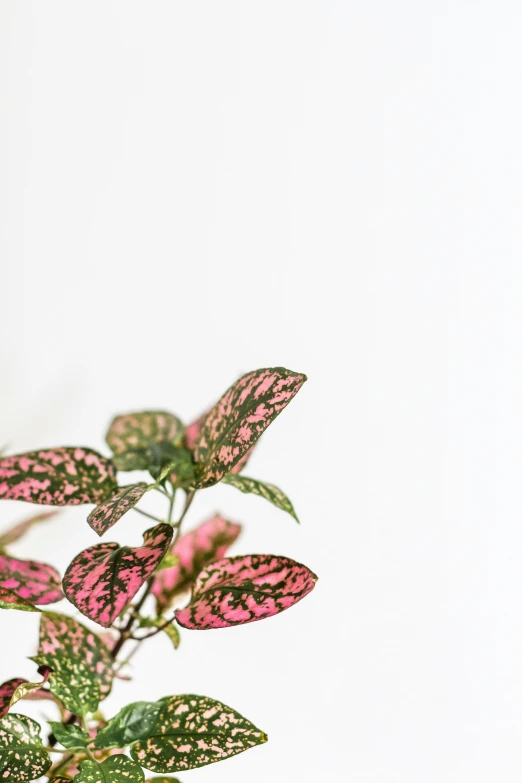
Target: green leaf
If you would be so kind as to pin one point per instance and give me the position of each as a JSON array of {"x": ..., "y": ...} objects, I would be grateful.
[
  {"x": 10, "y": 600},
  {"x": 267, "y": 491},
  {"x": 133, "y": 431},
  {"x": 22, "y": 756},
  {"x": 134, "y": 459},
  {"x": 61, "y": 634},
  {"x": 161, "y": 780},
  {"x": 69, "y": 735},
  {"x": 72, "y": 682},
  {"x": 135, "y": 721},
  {"x": 192, "y": 731},
  {"x": 115, "y": 769},
  {"x": 170, "y": 629},
  {"x": 169, "y": 561}
]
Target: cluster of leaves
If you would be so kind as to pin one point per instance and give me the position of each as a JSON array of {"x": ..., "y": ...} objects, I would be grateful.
[{"x": 77, "y": 665}]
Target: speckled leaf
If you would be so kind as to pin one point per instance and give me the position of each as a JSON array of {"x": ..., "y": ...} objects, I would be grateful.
[
  {"x": 195, "y": 550},
  {"x": 22, "y": 756},
  {"x": 10, "y": 600},
  {"x": 115, "y": 769},
  {"x": 69, "y": 735},
  {"x": 192, "y": 436},
  {"x": 16, "y": 532},
  {"x": 158, "y": 779},
  {"x": 133, "y": 431},
  {"x": 192, "y": 731},
  {"x": 159, "y": 622},
  {"x": 102, "y": 580},
  {"x": 181, "y": 469},
  {"x": 72, "y": 682},
  {"x": 57, "y": 477},
  {"x": 268, "y": 491},
  {"x": 134, "y": 722},
  {"x": 107, "y": 514},
  {"x": 13, "y": 690},
  {"x": 37, "y": 583},
  {"x": 239, "y": 590},
  {"x": 60, "y": 634},
  {"x": 243, "y": 413},
  {"x": 134, "y": 459}
]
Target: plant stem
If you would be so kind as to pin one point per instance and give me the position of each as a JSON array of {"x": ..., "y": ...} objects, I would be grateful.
[{"x": 146, "y": 514}]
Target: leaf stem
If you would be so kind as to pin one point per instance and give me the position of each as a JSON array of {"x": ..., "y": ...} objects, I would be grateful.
[{"x": 146, "y": 514}]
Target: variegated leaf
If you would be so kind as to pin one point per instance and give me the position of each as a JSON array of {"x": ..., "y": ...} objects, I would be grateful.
[
  {"x": 10, "y": 600},
  {"x": 102, "y": 580},
  {"x": 134, "y": 459},
  {"x": 195, "y": 550},
  {"x": 22, "y": 756},
  {"x": 158, "y": 779},
  {"x": 115, "y": 769},
  {"x": 57, "y": 477},
  {"x": 37, "y": 583},
  {"x": 73, "y": 683},
  {"x": 239, "y": 590},
  {"x": 168, "y": 628},
  {"x": 267, "y": 491},
  {"x": 192, "y": 436},
  {"x": 107, "y": 514},
  {"x": 134, "y": 722},
  {"x": 60, "y": 634},
  {"x": 13, "y": 690},
  {"x": 192, "y": 731},
  {"x": 17, "y": 531},
  {"x": 239, "y": 418},
  {"x": 133, "y": 431},
  {"x": 69, "y": 735}
]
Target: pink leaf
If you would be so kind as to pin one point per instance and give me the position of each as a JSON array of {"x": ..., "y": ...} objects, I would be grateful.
[
  {"x": 10, "y": 600},
  {"x": 102, "y": 580},
  {"x": 239, "y": 590},
  {"x": 13, "y": 690},
  {"x": 107, "y": 514},
  {"x": 57, "y": 477},
  {"x": 16, "y": 532},
  {"x": 192, "y": 435},
  {"x": 35, "y": 582},
  {"x": 138, "y": 430},
  {"x": 242, "y": 414},
  {"x": 195, "y": 550}
]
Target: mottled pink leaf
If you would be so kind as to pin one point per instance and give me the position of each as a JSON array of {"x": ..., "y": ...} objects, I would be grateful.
[
  {"x": 16, "y": 532},
  {"x": 133, "y": 431},
  {"x": 239, "y": 590},
  {"x": 107, "y": 514},
  {"x": 195, "y": 550},
  {"x": 36, "y": 582},
  {"x": 10, "y": 600},
  {"x": 102, "y": 580},
  {"x": 6, "y": 691},
  {"x": 242, "y": 414},
  {"x": 192, "y": 435},
  {"x": 57, "y": 477}
]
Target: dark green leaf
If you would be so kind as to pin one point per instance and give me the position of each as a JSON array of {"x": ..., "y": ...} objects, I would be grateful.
[
  {"x": 22, "y": 756},
  {"x": 73, "y": 683},
  {"x": 192, "y": 731},
  {"x": 62, "y": 634},
  {"x": 133, "y": 722},
  {"x": 115, "y": 769},
  {"x": 69, "y": 735},
  {"x": 273, "y": 494}
]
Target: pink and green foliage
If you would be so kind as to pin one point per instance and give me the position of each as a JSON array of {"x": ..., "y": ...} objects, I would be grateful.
[
  {"x": 239, "y": 590},
  {"x": 57, "y": 477},
  {"x": 107, "y": 514},
  {"x": 102, "y": 580},
  {"x": 131, "y": 590},
  {"x": 194, "y": 551},
  {"x": 37, "y": 583},
  {"x": 237, "y": 420}
]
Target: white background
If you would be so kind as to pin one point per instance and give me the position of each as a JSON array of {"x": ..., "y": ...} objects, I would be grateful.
[{"x": 193, "y": 190}]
